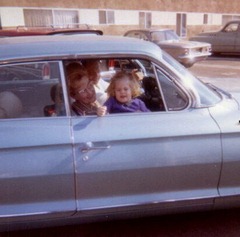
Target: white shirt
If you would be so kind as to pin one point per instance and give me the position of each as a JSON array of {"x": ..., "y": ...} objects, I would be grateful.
[{"x": 100, "y": 90}]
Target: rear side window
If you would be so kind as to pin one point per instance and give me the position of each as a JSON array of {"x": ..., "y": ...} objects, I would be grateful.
[
  {"x": 138, "y": 35},
  {"x": 31, "y": 90}
]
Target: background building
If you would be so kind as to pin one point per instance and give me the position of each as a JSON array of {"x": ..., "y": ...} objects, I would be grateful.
[{"x": 186, "y": 17}]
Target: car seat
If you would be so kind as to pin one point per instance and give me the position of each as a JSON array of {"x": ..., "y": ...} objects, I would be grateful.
[
  {"x": 10, "y": 105},
  {"x": 151, "y": 96},
  {"x": 56, "y": 109}
]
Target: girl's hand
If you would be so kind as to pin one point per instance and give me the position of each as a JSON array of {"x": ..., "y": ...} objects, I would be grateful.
[{"x": 101, "y": 111}]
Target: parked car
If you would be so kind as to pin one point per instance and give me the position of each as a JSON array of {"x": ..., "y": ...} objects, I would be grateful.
[
  {"x": 48, "y": 31},
  {"x": 226, "y": 40},
  {"x": 185, "y": 52},
  {"x": 75, "y": 32},
  {"x": 181, "y": 156}
]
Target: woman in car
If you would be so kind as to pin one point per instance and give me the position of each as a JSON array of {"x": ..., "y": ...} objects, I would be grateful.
[{"x": 81, "y": 89}]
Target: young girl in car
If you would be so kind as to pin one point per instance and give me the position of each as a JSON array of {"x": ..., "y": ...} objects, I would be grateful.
[{"x": 123, "y": 92}]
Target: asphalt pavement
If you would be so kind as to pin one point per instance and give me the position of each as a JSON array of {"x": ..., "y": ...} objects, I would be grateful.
[
  {"x": 203, "y": 224},
  {"x": 221, "y": 71}
]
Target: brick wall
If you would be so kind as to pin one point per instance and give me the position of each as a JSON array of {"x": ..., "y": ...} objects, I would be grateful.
[
  {"x": 207, "y": 6},
  {"x": 171, "y": 7}
]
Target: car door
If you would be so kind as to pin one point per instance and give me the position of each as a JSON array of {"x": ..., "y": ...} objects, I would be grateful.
[
  {"x": 229, "y": 184},
  {"x": 36, "y": 171},
  {"x": 225, "y": 40},
  {"x": 237, "y": 42},
  {"x": 165, "y": 159}
]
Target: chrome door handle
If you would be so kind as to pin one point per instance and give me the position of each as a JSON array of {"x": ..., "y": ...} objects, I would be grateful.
[{"x": 89, "y": 146}]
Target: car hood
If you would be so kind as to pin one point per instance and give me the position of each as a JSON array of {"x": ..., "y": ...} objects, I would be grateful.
[{"x": 182, "y": 43}]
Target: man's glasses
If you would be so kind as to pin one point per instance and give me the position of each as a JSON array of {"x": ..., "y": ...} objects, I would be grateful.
[{"x": 89, "y": 87}]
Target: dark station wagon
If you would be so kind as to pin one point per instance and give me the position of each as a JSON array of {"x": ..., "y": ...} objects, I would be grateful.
[{"x": 224, "y": 41}]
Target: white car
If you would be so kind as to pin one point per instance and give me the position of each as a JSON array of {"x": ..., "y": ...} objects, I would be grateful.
[{"x": 186, "y": 52}]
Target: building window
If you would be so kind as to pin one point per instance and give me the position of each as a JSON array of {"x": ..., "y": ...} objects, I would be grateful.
[
  {"x": 145, "y": 19},
  {"x": 36, "y": 18},
  {"x": 227, "y": 18},
  {"x": 46, "y": 18},
  {"x": 66, "y": 18},
  {"x": 182, "y": 24},
  {"x": 106, "y": 17},
  {"x": 205, "y": 19}
]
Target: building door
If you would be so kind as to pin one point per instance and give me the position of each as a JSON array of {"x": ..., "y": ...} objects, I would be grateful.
[{"x": 182, "y": 25}]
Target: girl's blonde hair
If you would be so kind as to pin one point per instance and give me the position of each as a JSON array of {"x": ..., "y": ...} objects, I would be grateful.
[{"x": 134, "y": 85}]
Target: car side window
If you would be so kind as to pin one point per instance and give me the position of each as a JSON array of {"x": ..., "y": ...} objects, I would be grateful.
[
  {"x": 143, "y": 36},
  {"x": 231, "y": 27},
  {"x": 173, "y": 96},
  {"x": 31, "y": 90},
  {"x": 158, "y": 92},
  {"x": 158, "y": 36},
  {"x": 138, "y": 35}
]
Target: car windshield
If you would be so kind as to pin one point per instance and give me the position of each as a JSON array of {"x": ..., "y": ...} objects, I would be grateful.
[
  {"x": 164, "y": 35},
  {"x": 204, "y": 94}
]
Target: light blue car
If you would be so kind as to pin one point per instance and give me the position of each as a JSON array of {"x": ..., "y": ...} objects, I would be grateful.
[{"x": 58, "y": 168}]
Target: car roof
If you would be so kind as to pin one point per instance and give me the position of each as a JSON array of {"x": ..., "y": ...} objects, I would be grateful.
[
  {"x": 149, "y": 30},
  {"x": 12, "y": 33},
  {"x": 15, "y": 33},
  {"x": 75, "y": 31},
  {"x": 24, "y": 48}
]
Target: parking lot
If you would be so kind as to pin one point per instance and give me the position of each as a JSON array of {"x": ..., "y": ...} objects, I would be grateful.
[
  {"x": 222, "y": 71},
  {"x": 225, "y": 73}
]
